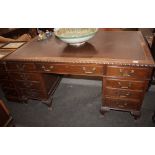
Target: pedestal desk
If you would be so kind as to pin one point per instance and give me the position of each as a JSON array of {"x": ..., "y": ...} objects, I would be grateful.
[{"x": 121, "y": 58}]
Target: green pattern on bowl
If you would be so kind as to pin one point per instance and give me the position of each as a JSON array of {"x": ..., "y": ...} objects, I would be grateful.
[
  {"x": 74, "y": 36},
  {"x": 75, "y": 32}
]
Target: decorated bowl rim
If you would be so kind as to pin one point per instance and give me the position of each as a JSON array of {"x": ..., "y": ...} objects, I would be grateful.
[{"x": 75, "y": 37}]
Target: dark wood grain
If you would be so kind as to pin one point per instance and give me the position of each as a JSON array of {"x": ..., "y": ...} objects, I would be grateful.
[
  {"x": 119, "y": 47},
  {"x": 125, "y": 84},
  {"x": 121, "y": 59}
]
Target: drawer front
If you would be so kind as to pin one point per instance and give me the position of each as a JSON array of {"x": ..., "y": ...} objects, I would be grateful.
[
  {"x": 6, "y": 84},
  {"x": 34, "y": 94},
  {"x": 27, "y": 76},
  {"x": 16, "y": 76},
  {"x": 16, "y": 66},
  {"x": 70, "y": 69},
  {"x": 120, "y": 93},
  {"x": 32, "y": 77},
  {"x": 121, "y": 104},
  {"x": 129, "y": 72},
  {"x": 123, "y": 84},
  {"x": 29, "y": 85}
]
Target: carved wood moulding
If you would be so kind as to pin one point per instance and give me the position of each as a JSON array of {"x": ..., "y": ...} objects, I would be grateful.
[{"x": 100, "y": 61}]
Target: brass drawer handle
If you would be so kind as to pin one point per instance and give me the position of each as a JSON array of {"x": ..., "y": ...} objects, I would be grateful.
[
  {"x": 89, "y": 72},
  {"x": 128, "y": 74},
  {"x": 125, "y": 87},
  {"x": 33, "y": 94},
  {"x": 51, "y": 67},
  {"x": 125, "y": 95},
  {"x": 28, "y": 85},
  {"x": 20, "y": 67},
  {"x": 47, "y": 70},
  {"x": 122, "y": 105},
  {"x": 22, "y": 76}
]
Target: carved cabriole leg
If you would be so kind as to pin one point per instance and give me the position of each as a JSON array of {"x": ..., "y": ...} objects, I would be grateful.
[
  {"x": 103, "y": 110},
  {"x": 136, "y": 114},
  {"x": 50, "y": 105},
  {"x": 50, "y": 100}
]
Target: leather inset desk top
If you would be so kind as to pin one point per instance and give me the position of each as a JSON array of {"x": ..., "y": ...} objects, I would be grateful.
[{"x": 107, "y": 47}]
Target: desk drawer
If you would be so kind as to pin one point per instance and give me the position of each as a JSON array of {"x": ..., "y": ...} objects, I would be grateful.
[
  {"x": 124, "y": 84},
  {"x": 27, "y": 76},
  {"x": 121, "y": 93},
  {"x": 18, "y": 66},
  {"x": 70, "y": 69},
  {"x": 129, "y": 72},
  {"x": 121, "y": 104},
  {"x": 29, "y": 85}
]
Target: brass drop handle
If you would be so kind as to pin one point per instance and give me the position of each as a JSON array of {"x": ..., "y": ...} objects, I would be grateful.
[
  {"x": 128, "y": 74},
  {"x": 89, "y": 72},
  {"x": 122, "y": 105},
  {"x": 47, "y": 70},
  {"x": 51, "y": 67},
  {"x": 124, "y": 87},
  {"x": 27, "y": 84},
  {"x": 33, "y": 93},
  {"x": 125, "y": 95},
  {"x": 20, "y": 67},
  {"x": 22, "y": 76}
]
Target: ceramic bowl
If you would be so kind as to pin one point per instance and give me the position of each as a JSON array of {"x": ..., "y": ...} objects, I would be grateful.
[{"x": 75, "y": 36}]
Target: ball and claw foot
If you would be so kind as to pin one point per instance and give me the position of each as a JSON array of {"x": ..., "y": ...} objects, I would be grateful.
[
  {"x": 49, "y": 104},
  {"x": 136, "y": 114},
  {"x": 103, "y": 110},
  {"x": 50, "y": 108}
]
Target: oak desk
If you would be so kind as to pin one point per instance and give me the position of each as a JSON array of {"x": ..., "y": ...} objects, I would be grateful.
[{"x": 121, "y": 58}]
